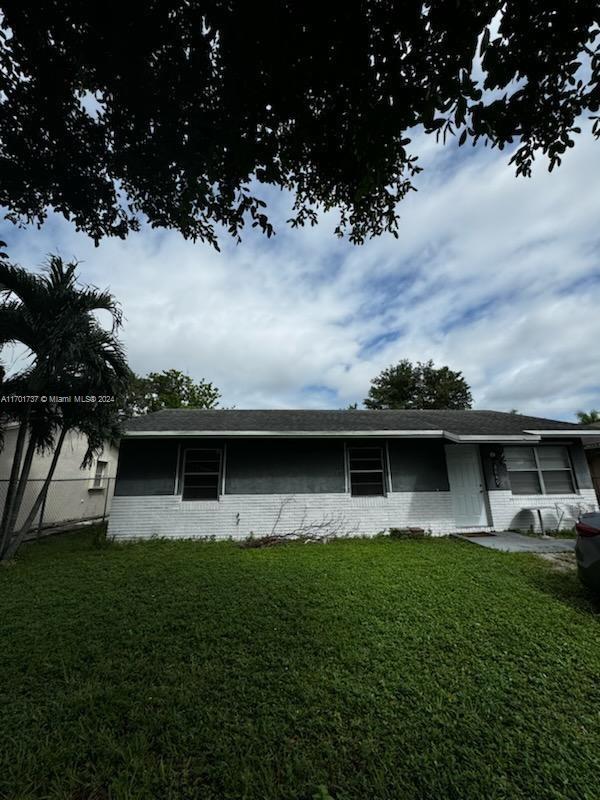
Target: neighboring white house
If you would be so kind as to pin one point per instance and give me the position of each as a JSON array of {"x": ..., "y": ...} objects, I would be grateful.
[{"x": 75, "y": 494}]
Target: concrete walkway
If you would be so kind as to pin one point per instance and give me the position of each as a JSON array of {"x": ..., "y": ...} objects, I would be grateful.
[{"x": 510, "y": 542}]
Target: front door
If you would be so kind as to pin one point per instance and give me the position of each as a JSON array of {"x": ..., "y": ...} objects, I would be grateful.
[{"x": 466, "y": 485}]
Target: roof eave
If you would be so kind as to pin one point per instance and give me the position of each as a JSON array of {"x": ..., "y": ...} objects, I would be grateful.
[
  {"x": 565, "y": 432},
  {"x": 420, "y": 434},
  {"x": 497, "y": 438}
]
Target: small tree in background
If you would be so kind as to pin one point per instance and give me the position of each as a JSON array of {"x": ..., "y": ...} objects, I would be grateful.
[
  {"x": 169, "y": 389},
  {"x": 419, "y": 386},
  {"x": 589, "y": 417}
]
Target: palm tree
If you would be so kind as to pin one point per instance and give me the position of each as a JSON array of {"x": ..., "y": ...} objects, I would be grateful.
[
  {"x": 589, "y": 417},
  {"x": 68, "y": 354}
]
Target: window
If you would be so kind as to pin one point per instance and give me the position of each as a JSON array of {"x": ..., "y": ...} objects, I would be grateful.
[
  {"x": 540, "y": 470},
  {"x": 100, "y": 474},
  {"x": 201, "y": 475},
  {"x": 367, "y": 474}
]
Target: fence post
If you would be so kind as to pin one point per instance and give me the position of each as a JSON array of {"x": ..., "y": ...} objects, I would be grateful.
[
  {"x": 105, "y": 500},
  {"x": 42, "y": 512}
]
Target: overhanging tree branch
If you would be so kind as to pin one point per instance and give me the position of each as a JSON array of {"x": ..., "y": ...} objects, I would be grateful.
[{"x": 180, "y": 113}]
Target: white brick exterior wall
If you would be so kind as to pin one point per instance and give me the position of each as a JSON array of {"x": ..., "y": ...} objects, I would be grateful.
[
  {"x": 239, "y": 516},
  {"x": 557, "y": 510}
]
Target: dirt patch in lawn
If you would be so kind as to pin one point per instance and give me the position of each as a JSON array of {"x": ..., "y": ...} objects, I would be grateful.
[{"x": 562, "y": 562}]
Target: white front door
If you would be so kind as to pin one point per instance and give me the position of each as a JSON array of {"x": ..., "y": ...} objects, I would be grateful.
[{"x": 466, "y": 485}]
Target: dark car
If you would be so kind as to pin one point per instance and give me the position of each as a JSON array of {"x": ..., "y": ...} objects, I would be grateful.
[{"x": 587, "y": 549}]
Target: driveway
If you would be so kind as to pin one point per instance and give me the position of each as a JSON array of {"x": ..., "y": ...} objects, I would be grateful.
[{"x": 510, "y": 542}]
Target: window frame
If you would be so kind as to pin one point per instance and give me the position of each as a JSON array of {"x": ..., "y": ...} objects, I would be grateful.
[
  {"x": 99, "y": 478},
  {"x": 98, "y": 482},
  {"x": 382, "y": 448},
  {"x": 540, "y": 471},
  {"x": 219, "y": 474}
]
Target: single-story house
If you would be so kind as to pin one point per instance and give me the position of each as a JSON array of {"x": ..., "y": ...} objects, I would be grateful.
[
  {"x": 230, "y": 473},
  {"x": 75, "y": 494}
]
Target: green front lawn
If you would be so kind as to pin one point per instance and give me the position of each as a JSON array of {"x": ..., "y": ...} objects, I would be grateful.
[{"x": 377, "y": 669}]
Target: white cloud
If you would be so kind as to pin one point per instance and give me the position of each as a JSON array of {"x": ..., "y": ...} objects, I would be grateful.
[{"x": 483, "y": 278}]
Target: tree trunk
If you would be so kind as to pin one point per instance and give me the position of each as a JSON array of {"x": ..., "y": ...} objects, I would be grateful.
[
  {"x": 18, "y": 537},
  {"x": 12, "y": 484},
  {"x": 18, "y": 498}
]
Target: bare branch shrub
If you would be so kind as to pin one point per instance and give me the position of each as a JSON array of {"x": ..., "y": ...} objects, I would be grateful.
[{"x": 307, "y": 531}]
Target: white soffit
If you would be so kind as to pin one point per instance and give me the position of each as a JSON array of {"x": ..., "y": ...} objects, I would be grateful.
[{"x": 429, "y": 434}]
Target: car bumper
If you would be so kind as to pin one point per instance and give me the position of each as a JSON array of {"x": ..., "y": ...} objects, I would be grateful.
[{"x": 587, "y": 553}]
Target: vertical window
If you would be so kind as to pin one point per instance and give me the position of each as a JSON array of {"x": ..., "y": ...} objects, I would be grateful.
[
  {"x": 522, "y": 470},
  {"x": 540, "y": 470},
  {"x": 555, "y": 466},
  {"x": 367, "y": 473},
  {"x": 100, "y": 474},
  {"x": 201, "y": 474}
]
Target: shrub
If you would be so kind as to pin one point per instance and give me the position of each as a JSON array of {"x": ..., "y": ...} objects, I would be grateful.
[{"x": 408, "y": 533}]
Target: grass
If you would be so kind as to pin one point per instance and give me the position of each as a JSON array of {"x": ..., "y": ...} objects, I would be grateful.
[
  {"x": 563, "y": 533},
  {"x": 357, "y": 669}
]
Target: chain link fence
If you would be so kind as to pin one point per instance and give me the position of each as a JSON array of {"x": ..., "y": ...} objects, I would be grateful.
[{"x": 69, "y": 502}]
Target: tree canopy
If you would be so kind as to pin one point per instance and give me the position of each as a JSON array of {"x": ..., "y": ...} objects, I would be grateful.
[
  {"x": 421, "y": 385},
  {"x": 169, "y": 110},
  {"x": 169, "y": 389},
  {"x": 589, "y": 417}
]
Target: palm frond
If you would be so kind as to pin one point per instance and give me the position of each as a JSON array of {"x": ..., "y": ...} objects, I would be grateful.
[
  {"x": 60, "y": 276},
  {"x": 73, "y": 353},
  {"x": 26, "y": 286},
  {"x": 15, "y": 325},
  {"x": 92, "y": 299}
]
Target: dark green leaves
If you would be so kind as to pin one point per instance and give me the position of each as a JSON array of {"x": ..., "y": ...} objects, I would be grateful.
[
  {"x": 420, "y": 385},
  {"x": 70, "y": 354},
  {"x": 167, "y": 113},
  {"x": 169, "y": 389}
]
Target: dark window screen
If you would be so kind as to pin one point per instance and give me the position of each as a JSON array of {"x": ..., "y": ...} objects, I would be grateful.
[
  {"x": 201, "y": 475},
  {"x": 367, "y": 474}
]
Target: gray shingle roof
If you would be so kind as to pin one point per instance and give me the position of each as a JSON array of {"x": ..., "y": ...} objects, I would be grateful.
[
  {"x": 593, "y": 442},
  {"x": 458, "y": 422}
]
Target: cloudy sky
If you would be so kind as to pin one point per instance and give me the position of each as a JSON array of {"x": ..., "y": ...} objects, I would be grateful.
[{"x": 496, "y": 276}]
